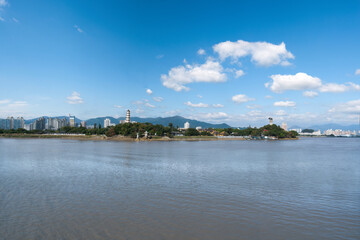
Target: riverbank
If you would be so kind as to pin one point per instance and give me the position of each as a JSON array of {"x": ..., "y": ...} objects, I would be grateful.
[{"x": 129, "y": 139}]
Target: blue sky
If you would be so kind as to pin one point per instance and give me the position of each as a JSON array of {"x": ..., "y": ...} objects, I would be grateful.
[{"x": 238, "y": 62}]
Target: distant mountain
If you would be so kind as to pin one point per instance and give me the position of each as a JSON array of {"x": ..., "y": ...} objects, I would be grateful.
[
  {"x": 100, "y": 120},
  {"x": 324, "y": 127},
  {"x": 175, "y": 120}
]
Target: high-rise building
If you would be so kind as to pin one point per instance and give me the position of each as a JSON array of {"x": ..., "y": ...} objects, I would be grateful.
[
  {"x": 39, "y": 124},
  {"x": 2, "y": 123},
  {"x": 83, "y": 124},
  {"x": 72, "y": 121},
  {"x": 107, "y": 123},
  {"x": 284, "y": 126},
  {"x": 187, "y": 125},
  {"x": 127, "y": 116},
  {"x": 10, "y": 123},
  {"x": 52, "y": 123}
]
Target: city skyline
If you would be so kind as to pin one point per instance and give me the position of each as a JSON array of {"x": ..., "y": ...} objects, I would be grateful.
[{"x": 236, "y": 63}]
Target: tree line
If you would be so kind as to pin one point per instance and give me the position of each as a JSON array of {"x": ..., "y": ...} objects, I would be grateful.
[{"x": 138, "y": 129}]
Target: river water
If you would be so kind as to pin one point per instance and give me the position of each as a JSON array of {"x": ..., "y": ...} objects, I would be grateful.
[{"x": 68, "y": 189}]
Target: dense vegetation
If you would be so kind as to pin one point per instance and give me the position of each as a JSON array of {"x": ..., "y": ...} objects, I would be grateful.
[{"x": 134, "y": 129}]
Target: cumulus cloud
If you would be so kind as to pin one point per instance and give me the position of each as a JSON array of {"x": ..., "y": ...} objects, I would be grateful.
[
  {"x": 201, "y": 51},
  {"x": 178, "y": 77},
  {"x": 299, "y": 81},
  {"x": 242, "y": 98},
  {"x": 310, "y": 94},
  {"x": 262, "y": 53},
  {"x": 351, "y": 107},
  {"x": 357, "y": 71},
  {"x": 148, "y": 91},
  {"x": 239, "y": 73},
  {"x": 75, "y": 98},
  {"x": 78, "y": 29},
  {"x": 158, "y": 99},
  {"x": 285, "y": 104}
]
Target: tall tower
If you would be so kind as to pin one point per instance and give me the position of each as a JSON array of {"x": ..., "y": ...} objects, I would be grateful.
[
  {"x": 127, "y": 116},
  {"x": 271, "y": 121}
]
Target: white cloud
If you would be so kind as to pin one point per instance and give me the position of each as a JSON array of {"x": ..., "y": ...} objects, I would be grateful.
[
  {"x": 160, "y": 56},
  {"x": 196, "y": 105},
  {"x": 351, "y": 107},
  {"x": 15, "y": 20},
  {"x": 299, "y": 81},
  {"x": 357, "y": 72},
  {"x": 334, "y": 88},
  {"x": 218, "y": 105},
  {"x": 354, "y": 86},
  {"x": 338, "y": 88},
  {"x": 213, "y": 116},
  {"x": 201, "y": 51},
  {"x": 262, "y": 53},
  {"x": 242, "y": 98},
  {"x": 118, "y": 106},
  {"x": 253, "y": 106},
  {"x": 148, "y": 91},
  {"x": 199, "y": 96},
  {"x": 3, "y": 3},
  {"x": 75, "y": 98},
  {"x": 158, "y": 99},
  {"x": 2, "y": 19},
  {"x": 12, "y": 108},
  {"x": 5, "y": 101},
  {"x": 239, "y": 73},
  {"x": 310, "y": 94},
  {"x": 280, "y": 113},
  {"x": 285, "y": 104},
  {"x": 203, "y": 105},
  {"x": 149, "y": 105},
  {"x": 268, "y": 97},
  {"x": 178, "y": 77},
  {"x": 78, "y": 29}
]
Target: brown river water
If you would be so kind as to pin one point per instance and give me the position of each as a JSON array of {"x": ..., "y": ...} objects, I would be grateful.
[{"x": 68, "y": 189}]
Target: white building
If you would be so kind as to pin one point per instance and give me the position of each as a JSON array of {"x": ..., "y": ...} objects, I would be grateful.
[
  {"x": 107, "y": 123},
  {"x": 284, "y": 126},
  {"x": 199, "y": 128},
  {"x": 187, "y": 125},
  {"x": 271, "y": 121}
]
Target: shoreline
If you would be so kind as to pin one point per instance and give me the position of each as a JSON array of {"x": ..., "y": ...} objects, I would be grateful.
[{"x": 129, "y": 139}]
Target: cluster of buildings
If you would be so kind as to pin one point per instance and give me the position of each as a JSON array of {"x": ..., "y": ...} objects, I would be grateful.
[
  {"x": 329, "y": 132},
  {"x": 12, "y": 123}
]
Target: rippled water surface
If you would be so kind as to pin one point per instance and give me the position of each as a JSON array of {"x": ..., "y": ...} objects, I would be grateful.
[{"x": 65, "y": 189}]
